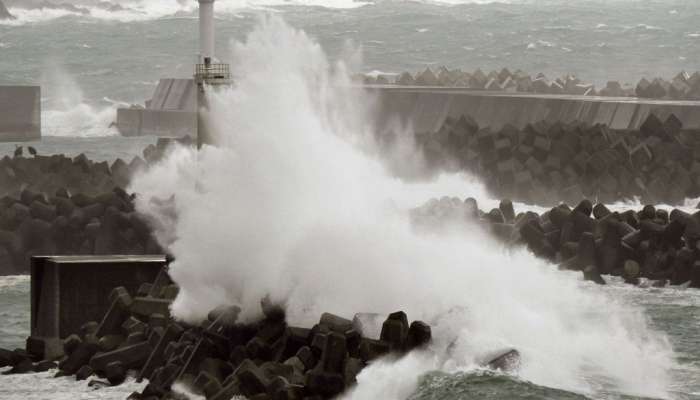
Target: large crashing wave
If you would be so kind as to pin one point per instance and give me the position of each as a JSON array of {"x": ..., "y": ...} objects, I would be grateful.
[{"x": 286, "y": 206}]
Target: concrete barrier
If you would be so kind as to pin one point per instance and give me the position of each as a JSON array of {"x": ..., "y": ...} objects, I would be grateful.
[
  {"x": 426, "y": 108},
  {"x": 171, "y": 112},
  {"x": 165, "y": 123},
  {"x": 67, "y": 291},
  {"x": 4, "y": 14},
  {"x": 20, "y": 113}
]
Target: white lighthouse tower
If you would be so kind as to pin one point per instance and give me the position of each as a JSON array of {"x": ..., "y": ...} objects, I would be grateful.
[
  {"x": 206, "y": 30},
  {"x": 209, "y": 74}
]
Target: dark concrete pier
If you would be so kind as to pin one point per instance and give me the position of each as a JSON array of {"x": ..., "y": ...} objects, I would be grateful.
[{"x": 67, "y": 291}]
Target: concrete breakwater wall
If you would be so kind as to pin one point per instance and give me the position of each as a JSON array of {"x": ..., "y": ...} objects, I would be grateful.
[
  {"x": 20, "y": 111},
  {"x": 426, "y": 108},
  {"x": 4, "y": 14},
  {"x": 171, "y": 112},
  {"x": 647, "y": 247}
]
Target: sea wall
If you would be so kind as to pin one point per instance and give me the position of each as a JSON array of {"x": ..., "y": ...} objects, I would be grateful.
[
  {"x": 425, "y": 109},
  {"x": 67, "y": 291},
  {"x": 171, "y": 112},
  {"x": 4, "y": 14},
  {"x": 20, "y": 112},
  {"x": 162, "y": 123}
]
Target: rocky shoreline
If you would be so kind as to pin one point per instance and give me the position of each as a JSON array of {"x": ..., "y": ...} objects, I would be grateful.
[
  {"x": 70, "y": 206},
  {"x": 220, "y": 357},
  {"x": 548, "y": 162},
  {"x": 683, "y": 86},
  {"x": 645, "y": 247}
]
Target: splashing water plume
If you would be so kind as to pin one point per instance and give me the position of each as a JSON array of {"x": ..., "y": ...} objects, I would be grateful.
[
  {"x": 66, "y": 112},
  {"x": 292, "y": 203}
]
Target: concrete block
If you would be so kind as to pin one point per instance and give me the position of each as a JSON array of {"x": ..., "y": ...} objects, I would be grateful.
[
  {"x": 506, "y": 361},
  {"x": 78, "y": 357},
  {"x": 4, "y": 14},
  {"x": 325, "y": 384},
  {"x": 371, "y": 349},
  {"x": 251, "y": 379},
  {"x": 147, "y": 306},
  {"x": 336, "y": 323},
  {"x": 116, "y": 315},
  {"x": 20, "y": 112},
  {"x": 68, "y": 290},
  {"x": 71, "y": 343},
  {"x": 419, "y": 335},
  {"x": 307, "y": 357},
  {"x": 334, "y": 353},
  {"x": 115, "y": 373},
  {"x": 133, "y": 356},
  {"x": 110, "y": 342},
  {"x": 45, "y": 348},
  {"x": 83, "y": 373}
]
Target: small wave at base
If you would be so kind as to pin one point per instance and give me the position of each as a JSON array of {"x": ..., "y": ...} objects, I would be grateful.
[
  {"x": 82, "y": 120},
  {"x": 488, "y": 385}
]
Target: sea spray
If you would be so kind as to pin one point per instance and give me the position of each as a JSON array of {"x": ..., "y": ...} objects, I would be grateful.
[
  {"x": 66, "y": 112},
  {"x": 287, "y": 206}
]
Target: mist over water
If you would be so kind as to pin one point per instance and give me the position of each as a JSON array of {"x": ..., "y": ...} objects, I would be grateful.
[
  {"x": 66, "y": 112},
  {"x": 293, "y": 203}
]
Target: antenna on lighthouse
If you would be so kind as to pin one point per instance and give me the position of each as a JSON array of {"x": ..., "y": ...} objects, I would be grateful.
[{"x": 208, "y": 74}]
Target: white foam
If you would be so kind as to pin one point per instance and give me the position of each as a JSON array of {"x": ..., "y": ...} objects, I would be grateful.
[
  {"x": 42, "y": 386},
  {"x": 10, "y": 281},
  {"x": 66, "y": 112}
]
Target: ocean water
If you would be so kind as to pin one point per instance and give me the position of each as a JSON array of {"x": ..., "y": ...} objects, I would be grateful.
[{"x": 92, "y": 61}]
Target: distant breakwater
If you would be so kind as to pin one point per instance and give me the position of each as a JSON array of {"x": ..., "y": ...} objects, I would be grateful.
[{"x": 683, "y": 86}]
